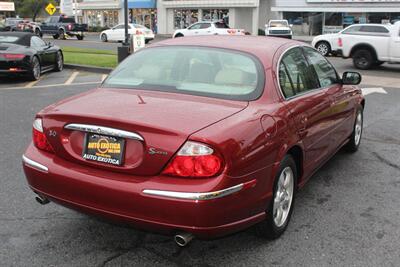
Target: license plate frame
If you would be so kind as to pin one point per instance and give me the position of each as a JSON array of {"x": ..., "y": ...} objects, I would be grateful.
[{"x": 105, "y": 149}]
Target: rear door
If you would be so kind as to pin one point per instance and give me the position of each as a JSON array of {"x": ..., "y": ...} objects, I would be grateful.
[
  {"x": 193, "y": 30},
  {"x": 46, "y": 54},
  {"x": 308, "y": 105},
  {"x": 205, "y": 29}
]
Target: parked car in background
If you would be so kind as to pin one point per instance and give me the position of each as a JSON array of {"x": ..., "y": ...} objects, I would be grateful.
[
  {"x": 370, "y": 45},
  {"x": 61, "y": 27},
  {"x": 279, "y": 28},
  {"x": 117, "y": 33},
  {"x": 208, "y": 28},
  {"x": 3, "y": 27},
  {"x": 192, "y": 136},
  {"x": 23, "y": 53}
]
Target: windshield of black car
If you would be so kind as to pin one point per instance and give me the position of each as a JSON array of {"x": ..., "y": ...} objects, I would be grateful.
[
  {"x": 211, "y": 72},
  {"x": 278, "y": 24},
  {"x": 8, "y": 39}
]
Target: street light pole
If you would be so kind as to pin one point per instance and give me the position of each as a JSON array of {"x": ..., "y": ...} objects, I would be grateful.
[{"x": 126, "y": 42}]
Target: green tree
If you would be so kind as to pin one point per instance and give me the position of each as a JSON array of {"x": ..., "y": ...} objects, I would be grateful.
[{"x": 31, "y": 8}]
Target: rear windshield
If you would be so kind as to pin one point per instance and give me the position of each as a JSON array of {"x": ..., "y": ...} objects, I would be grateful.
[
  {"x": 67, "y": 20},
  {"x": 8, "y": 39},
  {"x": 208, "y": 72},
  {"x": 221, "y": 25}
]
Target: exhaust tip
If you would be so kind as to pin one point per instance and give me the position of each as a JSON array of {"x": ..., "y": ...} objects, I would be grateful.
[
  {"x": 183, "y": 239},
  {"x": 42, "y": 200}
]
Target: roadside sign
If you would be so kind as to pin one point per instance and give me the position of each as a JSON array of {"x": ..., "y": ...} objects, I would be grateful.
[
  {"x": 138, "y": 42},
  {"x": 51, "y": 9}
]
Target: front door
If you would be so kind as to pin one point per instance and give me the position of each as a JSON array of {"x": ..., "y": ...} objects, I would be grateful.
[
  {"x": 395, "y": 46},
  {"x": 308, "y": 105}
]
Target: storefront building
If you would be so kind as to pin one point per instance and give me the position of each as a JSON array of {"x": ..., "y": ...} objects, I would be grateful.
[
  {"x": 313, "y": 17},
  {"x": 7, "y": 9},
  {"x": 245, "y": 14},
  {"x": 143, "y": 12},
  {"x": 101, "y": 13}
]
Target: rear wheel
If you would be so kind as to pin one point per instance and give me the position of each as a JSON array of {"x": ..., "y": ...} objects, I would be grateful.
[
  {"x": 363, "y": 59},
  {"x": 59, "y": 62},
  {"x": 282, "y": 203},
  {"x": 178, "y": 35},
  {"x": 80, "y": 37},
  {"x": 355, "y": 138},
  {"x": 323, "y": 48},
  {"x": 38, "y": 33},
  {"x": 61, "y": 33},
  {"x": 56, "y": 36},
  {"x": 36, "y": 69}
]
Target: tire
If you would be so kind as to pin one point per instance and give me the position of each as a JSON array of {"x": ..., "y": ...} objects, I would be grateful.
[
  {"x": 61, "y": 33},
  {"x": 179, "y": 35},
  {"x": 147, "y": 41},
  {"x": 35, "y": 69},
  {"x": 274, "y": 226},
  {"x": 80, "y": 37},
  {"x": 56, "y": 36},
  {"x": 38, "y": 33},
  {"x": 324, "y": 48},
  {"x": 104, "y": 38},
  {"x": 363, "y": 59},
  {"x": 59, "y": 62},
  {"x": 355, "y": 137}
]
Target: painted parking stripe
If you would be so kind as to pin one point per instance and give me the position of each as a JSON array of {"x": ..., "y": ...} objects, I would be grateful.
[
  {"x": 33, "y": 83},
  {"x": 371, "y": 90},
  {"x": 72, "y": 78},
  {"x": 51, "y": 85}
]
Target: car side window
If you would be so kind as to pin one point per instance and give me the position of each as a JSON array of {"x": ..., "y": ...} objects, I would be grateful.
[
  {"x": 54, "y": 19},
  {"x": 295, "y": 74},
  {"x": 37, "y": 42},
  {"x": 205, "y": 25},
  {"x": 374, "y": 29},
  {"x": 326, "y": 73},
  {"x": 352, "y": 29},
  {"x": 195, "y": 26},
  {"x": 120, "y": 27}
]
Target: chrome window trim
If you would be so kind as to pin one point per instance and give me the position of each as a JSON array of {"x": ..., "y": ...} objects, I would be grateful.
[
  {"x": 194, "y": 196},
  {"x": 88, "y": 128},
  {"x": 279, "y": 84},
  {"x": 31, "y": 163}
]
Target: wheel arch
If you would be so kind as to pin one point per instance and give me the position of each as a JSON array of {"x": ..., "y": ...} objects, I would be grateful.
[
  {"x": 366, "y": 47},
  {"x": 297, "y": 154},
  {"x": 323, "y": 41}
]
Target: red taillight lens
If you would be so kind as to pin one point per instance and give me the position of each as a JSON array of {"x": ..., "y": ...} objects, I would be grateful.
[
  {"x": 13, "y": 56},
  {"x": 69, "y": 26},
  {"x": 340, "y": 42},
  {"x": 39, "y": 138},
  {"x": 195, "y": 160}
]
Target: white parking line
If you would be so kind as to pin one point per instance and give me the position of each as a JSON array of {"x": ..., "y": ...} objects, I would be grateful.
[{"x": 72, "y": 78}]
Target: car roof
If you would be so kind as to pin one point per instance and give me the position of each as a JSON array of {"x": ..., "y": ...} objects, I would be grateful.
[
  {"x": 262, "y": 47},
  {"x": 24, "y": 37}
]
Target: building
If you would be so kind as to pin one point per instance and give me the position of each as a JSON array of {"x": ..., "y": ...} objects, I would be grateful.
[
  {"x": 7, "y": 9},
  {"x": 313, "y": 17},
  {"x": 250, "y": 15},
  {"x": 143, "y": 12},
  {"x": 101, "y": 13}
]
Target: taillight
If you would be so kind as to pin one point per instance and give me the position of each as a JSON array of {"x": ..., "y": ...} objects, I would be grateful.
[
  {"x": 340, "y": 42},
  {"x": 39, "y": 138},
  {"x": 195, "y": 160},
  {"x": 69, "y": 26},
  {"x": 13, "y": 56}
]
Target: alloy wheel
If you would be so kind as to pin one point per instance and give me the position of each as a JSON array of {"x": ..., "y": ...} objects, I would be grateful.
[
  {"x": 358, "y": 129},
  {"x": 323, "y": 49},
  {"x": 283, "y": 197},
  {"x": 36, "y": 68}
]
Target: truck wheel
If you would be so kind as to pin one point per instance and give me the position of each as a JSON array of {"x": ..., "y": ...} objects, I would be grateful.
[
  {"x": 363, "y": 59},
  {"x": 55, "y": 36},
  {"x": 61, "y": 33},
  {"x": 80, "y": 37},
  {"x": 38, "y": 33},
  {"x": 323, "y": 48}
]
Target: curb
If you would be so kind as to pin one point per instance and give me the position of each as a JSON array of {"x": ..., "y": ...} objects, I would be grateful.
[{"x": 88, "y": 68}]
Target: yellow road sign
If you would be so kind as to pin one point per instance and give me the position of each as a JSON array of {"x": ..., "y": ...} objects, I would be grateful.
[{"x": 51, "y": 9}]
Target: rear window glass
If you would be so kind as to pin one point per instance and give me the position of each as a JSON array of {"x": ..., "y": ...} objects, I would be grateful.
[
  {"x": 211, "y": 72},
  {"x": 221, "y": 25},
  {"x": 278, "y": 24},
  {"x": 67, "y": 20},
  {"x": 8, "y": 39}
]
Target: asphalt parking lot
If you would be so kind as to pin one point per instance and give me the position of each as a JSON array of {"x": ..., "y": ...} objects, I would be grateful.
[{"x": 347, "y": 215}]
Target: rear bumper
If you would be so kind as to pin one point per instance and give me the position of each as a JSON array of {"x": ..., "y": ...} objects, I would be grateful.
[{"x": 223, "y": 206}]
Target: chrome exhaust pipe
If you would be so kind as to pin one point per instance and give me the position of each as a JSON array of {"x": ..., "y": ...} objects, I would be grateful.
[
  {"x": 42, "y": 200},
  {"x": 183, "y": 239}
]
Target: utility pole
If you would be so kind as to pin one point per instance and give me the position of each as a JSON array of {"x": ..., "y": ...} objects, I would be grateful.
[
  {"x": 76, "y": 10},
  {"x": 126, "y": 42}
]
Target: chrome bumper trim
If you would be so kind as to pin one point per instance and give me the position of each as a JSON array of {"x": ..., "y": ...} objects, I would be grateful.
[
  {"x": 103, "y": 130},
  {"x": 34, "y": 164},
  {"x": 195, "y": 196}
]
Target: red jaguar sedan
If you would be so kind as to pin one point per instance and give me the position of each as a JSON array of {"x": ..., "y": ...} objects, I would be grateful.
[{"x": 197, "y": 137}]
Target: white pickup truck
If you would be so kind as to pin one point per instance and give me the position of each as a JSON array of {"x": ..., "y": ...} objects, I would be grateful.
[
  {"x": 372, "y": 46},
  {"x": 279, "y": 28},
  {"x": 208, "y": 28}
]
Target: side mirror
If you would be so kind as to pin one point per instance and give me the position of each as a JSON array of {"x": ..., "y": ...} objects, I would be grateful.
[{"x": 351, "y": 78}]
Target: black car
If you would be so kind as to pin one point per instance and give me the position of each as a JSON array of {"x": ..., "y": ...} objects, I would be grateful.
[{"x": 25, "y": 53}]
